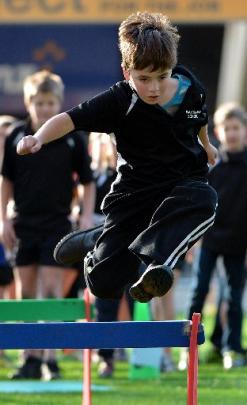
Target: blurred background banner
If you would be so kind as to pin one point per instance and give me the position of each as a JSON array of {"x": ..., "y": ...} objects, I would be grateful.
[
  {"x": 115, "y": 10},
  {"x": 86, "y": 56}
]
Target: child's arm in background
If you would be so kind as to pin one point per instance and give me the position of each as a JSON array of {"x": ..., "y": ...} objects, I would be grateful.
[
  {"x": 7, "y": 232},
  {"x": 54, "y": 128},
  {"x": 209, "y": 148}
]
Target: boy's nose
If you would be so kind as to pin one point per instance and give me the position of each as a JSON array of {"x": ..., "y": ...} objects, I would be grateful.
[{"x": 154, "y": 86}]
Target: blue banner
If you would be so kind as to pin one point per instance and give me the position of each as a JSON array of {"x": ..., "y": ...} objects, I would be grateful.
[{"x": 86, "y": 57}]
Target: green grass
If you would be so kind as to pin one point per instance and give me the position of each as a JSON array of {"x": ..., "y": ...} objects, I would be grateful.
[{"x": 216, "y": 386}]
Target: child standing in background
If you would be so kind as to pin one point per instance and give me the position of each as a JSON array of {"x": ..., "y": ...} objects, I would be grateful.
[
  {"x": 41, "y": 187},
  {"x": 228, "y": 237}
]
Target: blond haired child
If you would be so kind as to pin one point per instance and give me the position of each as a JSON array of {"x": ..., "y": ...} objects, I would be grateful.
[
  {"x": 41, "y": 187},
  {"x": 228, "y": 238}
]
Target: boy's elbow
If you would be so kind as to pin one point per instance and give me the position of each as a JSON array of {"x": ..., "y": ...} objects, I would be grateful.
[{"x": 67, "y": 122}]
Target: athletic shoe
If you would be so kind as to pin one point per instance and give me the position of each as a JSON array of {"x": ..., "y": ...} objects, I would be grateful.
[
  {"x": 232, "y": 359},
  {"x": 50, "y": 370},
  {"x": 106, "y": 368},
  {"x": 156, "y": 281},
  {"x": 88, "y": 265},
  {"x": 183, "y": 360},
  {"x": 73, "y": 247},
  {"x": 31, "y": 369}
]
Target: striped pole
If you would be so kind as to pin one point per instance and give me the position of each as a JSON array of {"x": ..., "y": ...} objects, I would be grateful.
[
  {"x": 192, "y": 375},
  {"x": 86, "y": 397}
]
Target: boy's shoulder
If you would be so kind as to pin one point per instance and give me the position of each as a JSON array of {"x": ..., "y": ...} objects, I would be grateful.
[
  {"x": 123, "y": 94},
  {"x": 122, "y": 89}
]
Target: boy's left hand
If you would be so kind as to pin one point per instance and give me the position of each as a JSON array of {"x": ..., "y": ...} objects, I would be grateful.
[{"x": 212, "y": 153}]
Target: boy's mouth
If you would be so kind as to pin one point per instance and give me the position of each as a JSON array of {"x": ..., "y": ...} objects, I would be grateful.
[{"x": 153, "y": 98}]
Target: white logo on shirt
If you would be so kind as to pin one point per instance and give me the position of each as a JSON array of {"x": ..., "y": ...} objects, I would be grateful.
[{"x": 193, "y": 113}]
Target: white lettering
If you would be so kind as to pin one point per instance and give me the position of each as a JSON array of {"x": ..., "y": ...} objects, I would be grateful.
[
  {"x": 46, "y": 6},
  {"x": 12, "y": 77},
  {"x": 20, "y": 6},
  {"x": 204, "y": 5}
]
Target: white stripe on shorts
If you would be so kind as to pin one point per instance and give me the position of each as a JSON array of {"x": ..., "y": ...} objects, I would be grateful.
[
  {"x": 198, "y": 231},
  {"x": 186, "y": 248}
]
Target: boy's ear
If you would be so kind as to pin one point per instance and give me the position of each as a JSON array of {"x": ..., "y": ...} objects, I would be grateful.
[{"x": 125, "y": 73}]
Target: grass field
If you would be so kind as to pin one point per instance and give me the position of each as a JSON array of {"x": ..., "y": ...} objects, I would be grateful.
[{"x": 216, "y": 386}]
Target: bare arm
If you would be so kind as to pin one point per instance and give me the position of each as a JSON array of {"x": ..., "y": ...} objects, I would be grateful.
[
  {"x": 86, "y": 220},
  {"x": 209, "y": 148},
  {"x": 8, "y": 233},
  {"x": 54, "y": 128},
  {"x": 6, "y": 190}
]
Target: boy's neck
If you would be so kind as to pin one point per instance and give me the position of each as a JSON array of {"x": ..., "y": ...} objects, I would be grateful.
[{"x": 172, "y": 86}]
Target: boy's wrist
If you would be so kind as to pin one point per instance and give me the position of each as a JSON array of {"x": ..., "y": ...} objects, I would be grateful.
[{"x": 39, "y": 138}]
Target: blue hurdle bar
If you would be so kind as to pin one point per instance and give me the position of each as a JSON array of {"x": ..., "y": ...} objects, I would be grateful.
[{"x": 92, "y": 335}]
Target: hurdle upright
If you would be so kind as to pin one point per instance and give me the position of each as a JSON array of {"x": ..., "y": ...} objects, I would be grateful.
[{"x": 105, "y": 335}]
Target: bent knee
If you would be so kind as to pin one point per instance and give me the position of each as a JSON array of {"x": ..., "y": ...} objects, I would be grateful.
[
  {"x": 105, "y": 293},
  {"x": 207, "y": 198},
  {"x": 100, "y": 286}
]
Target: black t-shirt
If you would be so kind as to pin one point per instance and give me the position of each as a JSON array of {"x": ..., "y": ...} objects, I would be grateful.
[
  {"x": 228, "y": 234},
  {"x": 43, "y": 182},
  {"x": 154, "y": 147},
  {"x": 103, "y": 182}
]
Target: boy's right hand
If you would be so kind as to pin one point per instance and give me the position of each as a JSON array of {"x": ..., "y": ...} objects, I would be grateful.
[{"x": 28, "y": 144}]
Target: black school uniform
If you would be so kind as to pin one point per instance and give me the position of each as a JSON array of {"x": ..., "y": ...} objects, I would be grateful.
[
  {"x": 228, "y": 177},
  {"x": 43, "y": 190},
  {"x": 227, "y": 238},
  {"x": 160, "y": 202}
]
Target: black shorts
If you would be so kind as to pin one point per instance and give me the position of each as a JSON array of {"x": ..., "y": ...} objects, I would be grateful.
[
  {"x": 37, "y": 248},
  {"x": 180, "y": 264},
  {"x": 6, "y": 275}
]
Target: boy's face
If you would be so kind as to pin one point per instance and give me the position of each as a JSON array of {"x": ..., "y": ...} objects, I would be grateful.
[
  {"x": 42, "y": 107},
  {"x": 232, "y": 134},
  {"x": 150, "y": 86}
]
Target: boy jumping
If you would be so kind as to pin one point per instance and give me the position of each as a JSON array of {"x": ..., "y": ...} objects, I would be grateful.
[{"x": 160, "y": 203}]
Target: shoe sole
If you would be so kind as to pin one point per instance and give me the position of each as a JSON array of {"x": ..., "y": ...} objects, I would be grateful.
[
  {"x": 154, "y": 282},
  {"x": 64, "y": 252}
]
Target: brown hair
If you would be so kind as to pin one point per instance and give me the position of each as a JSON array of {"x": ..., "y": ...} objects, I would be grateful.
[
  {"x": 43, "y": 82},
  {"x": 148, "y": 39},
  {"x": 230, "y": 110}
]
